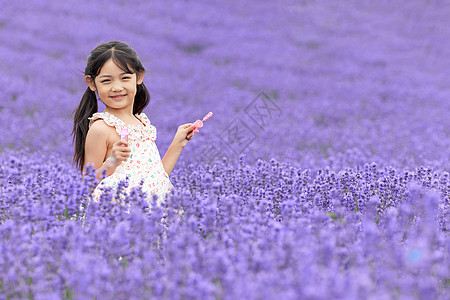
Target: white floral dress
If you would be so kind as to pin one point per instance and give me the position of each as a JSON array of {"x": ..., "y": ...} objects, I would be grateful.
[{"x": 144, "y": 162}]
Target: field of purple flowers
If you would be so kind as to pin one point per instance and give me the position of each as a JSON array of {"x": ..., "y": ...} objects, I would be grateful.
[{"x": 323, "y": 173}]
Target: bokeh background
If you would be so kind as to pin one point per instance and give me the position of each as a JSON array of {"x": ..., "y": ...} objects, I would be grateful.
[
  {"x": 355, "y": 81},
  {"x": 340, "y": 190}
]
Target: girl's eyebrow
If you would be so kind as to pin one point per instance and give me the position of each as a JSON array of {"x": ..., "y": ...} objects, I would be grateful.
[{"x": 111, "y": 75}]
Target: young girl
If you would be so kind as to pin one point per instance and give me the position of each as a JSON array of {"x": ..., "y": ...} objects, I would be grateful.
[{"x": 115, "y": 74}]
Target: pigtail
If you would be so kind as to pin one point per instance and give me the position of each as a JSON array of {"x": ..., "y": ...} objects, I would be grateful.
[
  {"x": 141, "y": 99},
  {"x": 88, "y": 106}
]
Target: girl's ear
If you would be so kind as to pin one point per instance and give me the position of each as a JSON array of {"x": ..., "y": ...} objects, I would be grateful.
[
  {"x": 140, "y": 78},
  {"x": 90, "y": 83}
]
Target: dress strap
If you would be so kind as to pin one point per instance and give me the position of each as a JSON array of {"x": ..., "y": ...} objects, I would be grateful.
[
  {"x": 149, "y": 129},
  {"x": 144, "y": 119},
  {"x": 109, "y": 119}
]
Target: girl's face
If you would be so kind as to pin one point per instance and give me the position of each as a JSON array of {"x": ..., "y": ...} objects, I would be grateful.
[{"x": 115, "y": 87}]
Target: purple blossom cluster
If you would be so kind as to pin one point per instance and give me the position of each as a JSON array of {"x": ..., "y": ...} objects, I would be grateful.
[
  {"x": 332, "y": 185},
  {"x": 265, "y": 231}
]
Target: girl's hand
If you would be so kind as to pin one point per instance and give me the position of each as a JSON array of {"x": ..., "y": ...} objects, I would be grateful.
[
  {"x": 184, "y": 134},
  {"x": 120, "y": 152}
]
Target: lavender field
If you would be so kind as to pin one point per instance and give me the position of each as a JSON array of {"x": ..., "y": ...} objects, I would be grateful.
[{"x": 323, "y": 173}]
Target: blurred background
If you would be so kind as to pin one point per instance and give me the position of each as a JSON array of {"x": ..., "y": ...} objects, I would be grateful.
[{"x": 313, "y": 83}]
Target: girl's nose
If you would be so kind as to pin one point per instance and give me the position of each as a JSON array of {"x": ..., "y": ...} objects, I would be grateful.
[{"x": 116, "y": 88}]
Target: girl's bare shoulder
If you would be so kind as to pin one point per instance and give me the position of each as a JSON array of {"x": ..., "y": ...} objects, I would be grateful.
[{"x": 100, "y": 131}]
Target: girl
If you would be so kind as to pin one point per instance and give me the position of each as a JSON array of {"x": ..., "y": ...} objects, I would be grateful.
[{"x": 115, "y": 74}]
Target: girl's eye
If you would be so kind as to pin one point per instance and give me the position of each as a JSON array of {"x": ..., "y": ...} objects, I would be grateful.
[
  {"x": 105, "y": 81},
  {"x": 127, "y": 77}
]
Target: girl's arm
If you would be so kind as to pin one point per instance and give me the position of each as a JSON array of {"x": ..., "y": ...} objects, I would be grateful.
[
  {"x": 170, "y": 158},
  {"x": 184, "y": 134},
  {"x": 109, "y": 166},
  {"x": 96, "y": 149}
]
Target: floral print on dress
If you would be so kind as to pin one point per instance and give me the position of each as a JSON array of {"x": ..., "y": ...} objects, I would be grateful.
[{"x": 144, "y": 162}]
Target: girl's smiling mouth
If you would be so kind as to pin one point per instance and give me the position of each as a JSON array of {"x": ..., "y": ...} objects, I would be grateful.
[{"x": 118, "y": 97}]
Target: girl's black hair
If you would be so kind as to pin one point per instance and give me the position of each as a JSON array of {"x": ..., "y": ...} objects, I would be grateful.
[{"x": 125, "y": 58}]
